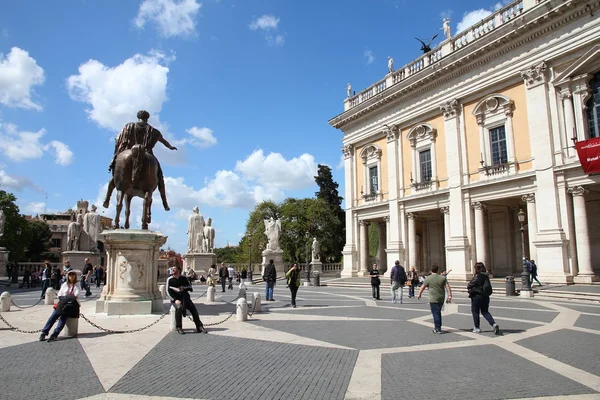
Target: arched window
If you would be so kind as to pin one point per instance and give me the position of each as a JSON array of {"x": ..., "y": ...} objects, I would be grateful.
[{"x": 593, "y": 107}]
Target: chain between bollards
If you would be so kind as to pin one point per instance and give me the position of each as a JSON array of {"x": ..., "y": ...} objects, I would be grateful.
[
  {"x": 15, "y": 329},
  {"x": 122, "y": 331},
  {"x": 25, "y": 307}
]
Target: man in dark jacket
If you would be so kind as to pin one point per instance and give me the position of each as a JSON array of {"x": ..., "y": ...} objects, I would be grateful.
[
  {"x": 178, "y": 288},
  {"x": 270, "y": 277},
  {"x": 398, "y": 280},
  {"x": 223, "y": 275}
]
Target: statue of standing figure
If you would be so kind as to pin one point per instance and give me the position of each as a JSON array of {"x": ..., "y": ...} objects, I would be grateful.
[
  {"x": 273, "y": 231},
  {"x": 92, "y": 226},
  {"x": 349, "y": 90},
  {"x": 316, "y": 250},
  {"x": 209, "y": 237},
  {"x": 74, "y": 233},
  {"x": 195, "y": 231},
  {"x": 390, "y": 64},
  {"x": 446, "y": 28},
  {"x": 2, "y": 220}
]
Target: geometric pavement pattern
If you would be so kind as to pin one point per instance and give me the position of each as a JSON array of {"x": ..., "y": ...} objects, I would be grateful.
[{"x": 338, "y": 344}]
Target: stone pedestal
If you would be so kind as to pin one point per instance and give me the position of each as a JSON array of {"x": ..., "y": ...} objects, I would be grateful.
[
  {"x": 77, "y": 258},
  {"x": 276, "y": 256},
  {"x": 199, "y": 262},
  {"x": 317, "y": 266},
  {"x": 3, "y": 260},
  {"x": 131, "y": 280}
]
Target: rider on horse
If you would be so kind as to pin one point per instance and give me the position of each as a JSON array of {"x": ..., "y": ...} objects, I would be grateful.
[{"x": 146, "y": 135}]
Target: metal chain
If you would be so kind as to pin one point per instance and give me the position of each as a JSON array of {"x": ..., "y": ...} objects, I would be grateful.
[
  {"x": 196, "y": 298},
  {"x": 25, "y": 307},
  {"x": 250, "y": 313},
  {"x": 15, "y": 329},
  {"x": 122, "y": 331}
]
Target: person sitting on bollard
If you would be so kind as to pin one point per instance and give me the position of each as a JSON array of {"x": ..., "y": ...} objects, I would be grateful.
[
  {"x": 178, "y": 288},
  {"x": 67, "y": 307}
]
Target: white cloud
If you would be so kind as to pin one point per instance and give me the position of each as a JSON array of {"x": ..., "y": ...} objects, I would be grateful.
[
  {"x": 19, "y": 72},
  {"x": 23, "y": 145},
  {"x": 275, "y": 171},
  {"x": 277, "y": 40},
  {"x": 201, "y": 137},
  {"x": 341, "y": 163},
  {"x": 172, "y": 17},
  {"x": 34, "y": 207},
  {"x": 16, "y": 183},
  {"x": 116, "y": 94},
  {"x": 470, "y": 18},
  {"x": 370, "y": 57},
  {"x": 264, "y": 22}
]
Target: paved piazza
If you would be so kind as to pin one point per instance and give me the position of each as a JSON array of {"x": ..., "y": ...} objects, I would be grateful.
[{"x": 338, "y": 344}]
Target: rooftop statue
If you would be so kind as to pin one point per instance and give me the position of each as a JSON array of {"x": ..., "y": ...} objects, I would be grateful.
[
  {"x": 446, "y": 28},
  {"x": 427, "y": 47},
  {"x": 390, "y": 64},
  {"x": 135, "y": 170}
]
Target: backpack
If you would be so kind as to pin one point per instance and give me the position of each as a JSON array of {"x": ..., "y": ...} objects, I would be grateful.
[{"x": 487, "y": 287}]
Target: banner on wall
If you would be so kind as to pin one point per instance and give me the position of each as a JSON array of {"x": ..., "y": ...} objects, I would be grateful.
[{"x": 588, "y": 152}]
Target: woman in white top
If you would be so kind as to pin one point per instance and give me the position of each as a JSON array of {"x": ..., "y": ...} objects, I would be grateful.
[
  {"x": 212, "y": 275},
  {"x": 68, "y": 289}
]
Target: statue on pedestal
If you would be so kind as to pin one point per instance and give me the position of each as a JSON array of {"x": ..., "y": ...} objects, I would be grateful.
[
  {"x": 195, "y": 231},
  {"x": 74, "y": 233},
  {"x": 2, "y": 220},
  {"x": 273, "y": 231},
  {"x": 316, "y": 250},
  {"x": 92, "y": 226},
  {"x": 209, "y": 237}
]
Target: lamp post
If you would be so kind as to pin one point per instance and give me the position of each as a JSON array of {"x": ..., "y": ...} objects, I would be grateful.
[
  {"x": 307, "y": 237},
  {"x": 249, "y": 236},
  {"x": 525, "y": 287}
]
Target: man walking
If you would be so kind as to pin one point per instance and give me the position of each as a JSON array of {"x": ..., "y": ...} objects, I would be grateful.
[
  {"x": 397, "y": 280},
  {"x": 230, "y": 275},
  {"x": 46, "y": 274},
  {"x": 178, "y": 288},
  {"x": 270, "y": 276},
  {"x": 86, "y": 275},
  {"x": 437, "y": 285},
  {"x": 223, "y": 275}
]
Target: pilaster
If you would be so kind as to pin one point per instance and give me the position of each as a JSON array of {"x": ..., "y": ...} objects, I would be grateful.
[{"x": 349, "y": 251}]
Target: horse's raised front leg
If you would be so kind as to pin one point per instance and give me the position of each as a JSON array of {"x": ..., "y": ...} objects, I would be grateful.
[
  {"x": 127, "y": 210},
  {"x": 119, "y": 208},
  {"x": 111, "y": 187}
]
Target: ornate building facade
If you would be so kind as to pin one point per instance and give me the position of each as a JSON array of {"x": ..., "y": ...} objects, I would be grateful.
[{"x": 444, "y": 153}]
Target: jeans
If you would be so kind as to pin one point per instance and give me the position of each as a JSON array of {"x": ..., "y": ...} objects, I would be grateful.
[
  {"x": 436, "y": 311},
  {"x": 481, "y": 304},
  {"x": 269, "y": 290},
  {"x": 375, "y": 291},
  {"x": 293, "y": 290},
  {"x": 85, "y": 286},
  {"x": 62, "y": 319},
  {"x": 395, "y": 287},
  {"x": 411, "y": 290},
  {"x": 532, "y": 278},
  {"x": 230, "y": 286},
  {"x": 45, "y": 285},
  {"x": 223, "y": 283}
]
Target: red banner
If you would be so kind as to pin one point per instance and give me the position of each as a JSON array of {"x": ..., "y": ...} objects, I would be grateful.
[{"x": 589, "y": 155}]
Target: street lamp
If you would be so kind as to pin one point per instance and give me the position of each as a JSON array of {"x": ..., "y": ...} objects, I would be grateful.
[
  {"x": 307, "y": 236},
  {"x": 249, "y": 236},
  {"x": 525, "y": 274}
]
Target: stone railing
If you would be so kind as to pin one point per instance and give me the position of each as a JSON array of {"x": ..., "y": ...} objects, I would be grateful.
[
  {"x": 421, "y": 185},
  {"x": 501, "y": 17}
]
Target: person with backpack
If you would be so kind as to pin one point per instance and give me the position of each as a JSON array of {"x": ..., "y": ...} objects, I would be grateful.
[
  {"x": 293, "y": 281},
  {"x": 480, "y": 290},
  {"x": 67, "y": 307},
  {"x": 397, "y": 280}
]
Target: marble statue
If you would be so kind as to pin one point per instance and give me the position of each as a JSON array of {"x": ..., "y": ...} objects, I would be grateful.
[
  {"x": 92, "y": 226},
  {"x": 2, "y": 220},
  {"x": 349, "y": 89},
  {"x": 195, "y": 231},
  {"x": 316, "y": 250},
  {"x": 446, "y": 28},
  {"x": 74, "y": 233},
  {"x": 390, "y": 64},
  {"x": 273, "y": 231},
  {"x": 209, "y": 237}
]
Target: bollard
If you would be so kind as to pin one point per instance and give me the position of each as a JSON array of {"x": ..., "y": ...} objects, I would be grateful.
[
  {"x": 5, "y": 302},
  {"x": 49, "y": 297},
  {"x": 72, "y": 327},
  {"x": 163, "y": 291},
  {"x": 210, "y": 294},
  {"x": 173, "y": 325},
  {"x": 510, "y": 286},
  {"x": 256, "y": 303},
  {"x": 241, "y": 310}
]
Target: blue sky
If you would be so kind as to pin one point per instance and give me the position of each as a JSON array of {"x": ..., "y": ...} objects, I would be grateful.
[{"x": 243, "y": 88}]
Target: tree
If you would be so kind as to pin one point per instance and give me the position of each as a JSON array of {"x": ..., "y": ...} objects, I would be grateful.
[
  {"x": 40, "y": 240},
  {"x": 229, "y": 254},
  {"x": 333, "y": 234},
  {"x": 16, "y": 234}
]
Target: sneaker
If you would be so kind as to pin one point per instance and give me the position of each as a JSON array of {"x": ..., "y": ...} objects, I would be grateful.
[
  {"x": 201, "y": 330},
  {"x": 393, "y": 301},
  {"x": 294, "y": 306},
  {"x": 180, "y": 331},
  {"x": 476, "y": 330},
  {"x": 496, "y": 329},
  {"x": 42, "y": 337},
  {"x": 52, "y": 338},
  {"x": 436, "y": 331}
]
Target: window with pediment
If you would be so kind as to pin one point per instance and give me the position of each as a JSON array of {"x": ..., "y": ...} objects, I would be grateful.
[
  {"x": 371, "y": 156},
  {"x": 593, "y": 107},
  {"x": 422, "y": 139},
  {"x": 494, "y": 117}
]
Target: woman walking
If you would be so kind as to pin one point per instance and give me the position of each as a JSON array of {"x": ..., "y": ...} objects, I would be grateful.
[
  {"x": 67, "y": 307},
  {"x": 293, "y": 281},
  {"x": 480, "y": 290}
]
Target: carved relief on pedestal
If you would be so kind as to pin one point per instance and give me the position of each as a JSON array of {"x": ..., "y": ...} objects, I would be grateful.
[{"x": 130, "y": 272}]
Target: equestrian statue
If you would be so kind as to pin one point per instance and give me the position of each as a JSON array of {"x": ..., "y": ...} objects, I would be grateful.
[{"x": 135, "y": 170}]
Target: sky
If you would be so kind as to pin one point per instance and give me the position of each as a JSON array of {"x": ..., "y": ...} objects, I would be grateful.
[{"x": 242, "y": 88}]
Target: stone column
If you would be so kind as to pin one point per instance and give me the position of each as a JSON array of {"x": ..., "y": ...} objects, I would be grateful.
[
  {"x": 364, "y": 248},
  {"x": 382, "y": 255},
  {"x": 392, "y": 228},
  {"x": 581, "y": 92},
  {"x": 412, "y": 241},
  {"x": 510, "y": 138},
  {"x": 482, "y": 149},
  {"x": 551, "y": 243},
  {"x": 349, "y": 251},
  {"x": 531, "y": 224},
  {"x": 457, "y": 248},
  {"x": 433, "y": 161},
  {"x": 582, "y": 237},
  {"x": 480, "y": 234},
  {"x": 567, "y": 99}
]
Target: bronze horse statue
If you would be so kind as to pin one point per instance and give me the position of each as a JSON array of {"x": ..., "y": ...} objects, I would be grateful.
[{"x": 135, "y": 175}]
